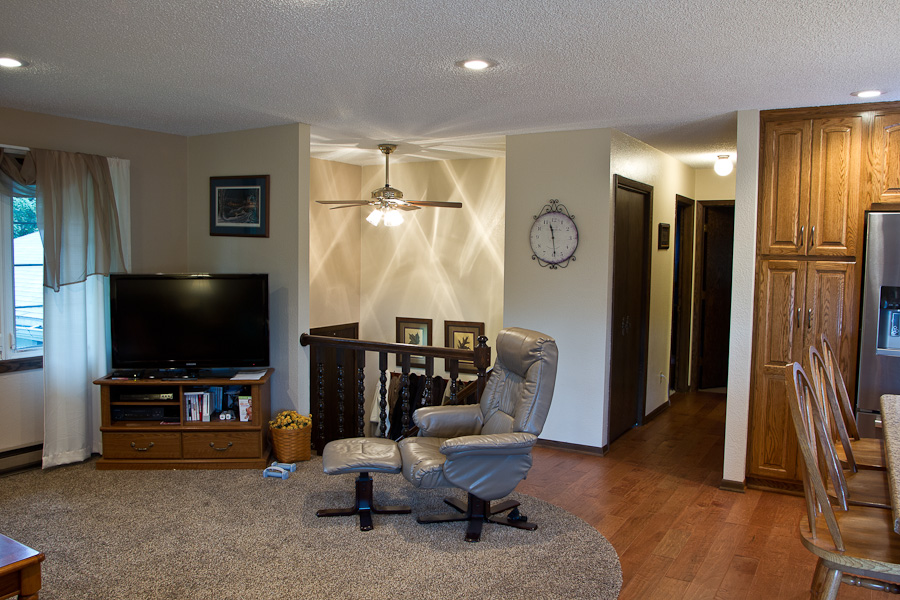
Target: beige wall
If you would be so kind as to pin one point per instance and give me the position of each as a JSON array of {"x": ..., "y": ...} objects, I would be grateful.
[
  {"x": 283, "y": 154},
  {"x": 638, "y": 161},
  {"x": 158, "y": 232},
  {"x": 158, "y": 177},
  {"x": 711, "y": 186},
  {"x": 569, "y": 304},
  {"x": 334, "y": 244}
]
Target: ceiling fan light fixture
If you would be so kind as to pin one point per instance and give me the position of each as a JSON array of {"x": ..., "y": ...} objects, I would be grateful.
[
  {"x": 375, "y": 217},
  {"x": 867, "y": 93},
  {"x": 392, "y": 218},
  {"x": 723, "y": 165}
]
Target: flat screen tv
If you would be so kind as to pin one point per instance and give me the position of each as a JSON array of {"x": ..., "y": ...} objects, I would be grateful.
[{"x": 189, "y": 321}]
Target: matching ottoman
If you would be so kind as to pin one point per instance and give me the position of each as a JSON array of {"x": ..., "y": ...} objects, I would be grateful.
[{"x": 362, "y": 456}]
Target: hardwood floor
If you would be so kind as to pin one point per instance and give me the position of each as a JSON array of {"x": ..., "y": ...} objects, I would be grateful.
[{"x": 655, "y": 497}]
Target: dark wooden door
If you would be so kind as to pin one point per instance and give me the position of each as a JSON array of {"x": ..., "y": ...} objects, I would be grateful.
[
  {"x": 337, "y": 423},
  {"x": 715, "y": 304},
  {"x": 682, "y": 294},
  {"x": 631, "y": 286}
]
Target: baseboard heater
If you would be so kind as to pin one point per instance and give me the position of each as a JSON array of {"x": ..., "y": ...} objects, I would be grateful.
[{"x": 21, "y": 458}]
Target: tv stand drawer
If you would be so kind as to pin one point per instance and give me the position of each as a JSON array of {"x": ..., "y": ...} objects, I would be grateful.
[
  {"x": 142, "y": 445},
  {"x": 222, "y": 444}
]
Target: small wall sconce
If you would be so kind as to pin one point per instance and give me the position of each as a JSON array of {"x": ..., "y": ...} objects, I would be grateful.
[{"x": 723, "y": 165}]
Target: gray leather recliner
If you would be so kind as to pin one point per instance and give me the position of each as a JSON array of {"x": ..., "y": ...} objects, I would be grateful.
[{"x": 485, "y": 448}]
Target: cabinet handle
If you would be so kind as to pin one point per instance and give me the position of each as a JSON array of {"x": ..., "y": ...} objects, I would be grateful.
[
  {"x": 809, "y": 319},
  {"x": 812, "y": 236},
  {"x": 213, "y": 446},
  {"x": 799, "y": 317},
  {"x": 802, "y": 229},
  {"x": 133, "y": 445}
]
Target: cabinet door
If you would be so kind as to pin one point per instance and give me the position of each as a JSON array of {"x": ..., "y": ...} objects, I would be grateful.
[
  {"x": 834, "y": 186},
  {"x": 778, "y": 340},
  {"x": 831, "y": 309},
  {"x": 886, "y": 157},
  {"x": 784, "y": 202}
]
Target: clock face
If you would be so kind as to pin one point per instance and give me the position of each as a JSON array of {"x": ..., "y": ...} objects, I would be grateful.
[{"x": 554, "y": 237}]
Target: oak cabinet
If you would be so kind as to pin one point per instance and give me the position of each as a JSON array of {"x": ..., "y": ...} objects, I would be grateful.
[
  {"x": 885, "y": 152},
  {"x": 810, "y": 187},
  {"x": 796, "y": 301}
]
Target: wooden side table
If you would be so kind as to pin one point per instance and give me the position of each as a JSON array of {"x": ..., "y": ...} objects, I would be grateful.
[{"x": 20, "y": 570}]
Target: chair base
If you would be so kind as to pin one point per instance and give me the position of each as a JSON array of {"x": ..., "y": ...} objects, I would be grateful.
[
  {"x": 478, "y": 512},
  {"x": 365, "y": 505}
]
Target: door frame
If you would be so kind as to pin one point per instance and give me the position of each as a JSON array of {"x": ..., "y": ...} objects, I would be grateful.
[
  {"x": 684, "y": 299},
  {"x": 699, "y": 268},
  {"x": 620, "y": 182}
]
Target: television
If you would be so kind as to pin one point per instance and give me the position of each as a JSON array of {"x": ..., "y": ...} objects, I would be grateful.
[{"x": 189, "y": 321}]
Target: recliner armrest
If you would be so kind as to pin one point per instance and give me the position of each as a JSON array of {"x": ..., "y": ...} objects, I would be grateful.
[
  {"x": 495, "y": 443},
  {"x": 448, "y": 421}
]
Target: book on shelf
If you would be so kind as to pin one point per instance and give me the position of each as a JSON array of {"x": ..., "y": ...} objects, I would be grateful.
[{"x": 245, "y": 406}]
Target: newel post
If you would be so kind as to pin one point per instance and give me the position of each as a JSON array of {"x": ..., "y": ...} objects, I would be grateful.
[{"x": 482, "y": 362}]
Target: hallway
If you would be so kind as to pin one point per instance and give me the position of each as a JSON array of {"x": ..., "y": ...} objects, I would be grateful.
[{"x": 655, "y": 496}]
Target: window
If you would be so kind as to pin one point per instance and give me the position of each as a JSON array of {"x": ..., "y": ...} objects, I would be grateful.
[{"x": 22, "y": 268}]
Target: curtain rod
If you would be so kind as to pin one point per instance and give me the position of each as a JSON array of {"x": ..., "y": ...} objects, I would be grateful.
[{"x": 15, "y": 149}]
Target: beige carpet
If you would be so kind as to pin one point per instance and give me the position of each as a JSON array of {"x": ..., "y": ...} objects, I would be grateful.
[{"x": 223, "y": 535}]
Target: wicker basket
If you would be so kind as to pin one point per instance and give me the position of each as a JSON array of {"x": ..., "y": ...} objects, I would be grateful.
[{"x": 291, "y": 445}]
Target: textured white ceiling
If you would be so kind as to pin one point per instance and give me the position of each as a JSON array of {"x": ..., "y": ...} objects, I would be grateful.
[{"x": 360, "y": 72}]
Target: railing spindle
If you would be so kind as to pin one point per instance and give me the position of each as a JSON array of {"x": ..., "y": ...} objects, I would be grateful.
[
  {"x": 340, "y": 391},
  {"x": 382, "y": 416},
  {"x": 404, "y": 391},
  {"x": 428, "y": 396},
  {"x": 360, "y": 393},
  {"x": 320, "y": 397},
  {"x": 454, "y": 380}
]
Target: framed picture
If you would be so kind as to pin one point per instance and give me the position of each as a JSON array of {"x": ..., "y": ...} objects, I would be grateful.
[
  {"x": 416, "y": 332},
  {"x": 239, "y": 206},
  {"x": 663, "y": 236},
  {"x": 462, "y": 335}
]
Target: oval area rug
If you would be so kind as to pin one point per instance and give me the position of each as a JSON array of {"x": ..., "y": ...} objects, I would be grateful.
[{"x": 232, "y": 534}]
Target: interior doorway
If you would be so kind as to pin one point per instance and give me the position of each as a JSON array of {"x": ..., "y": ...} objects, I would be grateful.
[
  {"x": 712, "y": 295},
  {"x": 632, "y": 234},
  {"x": 682, "y": 288}
]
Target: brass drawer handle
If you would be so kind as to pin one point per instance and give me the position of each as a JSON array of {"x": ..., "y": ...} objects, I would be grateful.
[
  {"x": 133, "y": 445},
  {"x": 213, "y": 446}
]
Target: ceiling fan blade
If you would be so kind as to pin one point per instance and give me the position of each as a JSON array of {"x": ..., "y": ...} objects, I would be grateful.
[
  {"x": 435, "y": 203},
  {"x": 347, "y": 202},
  {"x": 406, "y": 207},
  {"x": 347, "y": 206}
]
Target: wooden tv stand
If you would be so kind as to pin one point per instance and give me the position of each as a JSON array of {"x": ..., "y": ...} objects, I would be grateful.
[{"x": 145, "y": 425}]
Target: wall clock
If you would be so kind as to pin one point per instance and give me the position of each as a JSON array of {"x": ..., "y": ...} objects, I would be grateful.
[{"x": 554, "y": 236}]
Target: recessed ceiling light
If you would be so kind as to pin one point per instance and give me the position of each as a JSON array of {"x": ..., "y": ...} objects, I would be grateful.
[
  {"x": 477, "y": 64},
  {"x": 10, "y": 63},
  {"x": 867, "y": 93}
]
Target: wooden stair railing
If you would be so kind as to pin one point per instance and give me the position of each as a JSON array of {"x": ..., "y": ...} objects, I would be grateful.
[{"x": 480, "y": 356}]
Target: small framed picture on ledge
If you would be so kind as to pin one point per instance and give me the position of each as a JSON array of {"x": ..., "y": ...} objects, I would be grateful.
[
  {"x": 239, "y": 206},
  {"x": 416, "y": 332},
  {"x": 462, "y": 335}
]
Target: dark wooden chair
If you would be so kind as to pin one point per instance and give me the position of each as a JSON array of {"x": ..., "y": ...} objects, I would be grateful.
[
  {"x": 868, "y": 453},
  {"x": 856, "y": 545}
]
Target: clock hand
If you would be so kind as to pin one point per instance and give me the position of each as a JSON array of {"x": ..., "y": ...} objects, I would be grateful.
[{"x": 553, "y": 239}]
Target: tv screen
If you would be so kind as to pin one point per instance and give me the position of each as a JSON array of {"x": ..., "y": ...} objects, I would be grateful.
[{"x": 189, "y": 321}]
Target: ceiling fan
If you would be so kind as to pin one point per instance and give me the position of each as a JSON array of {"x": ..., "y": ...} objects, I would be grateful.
[{"x": 387, "y": 200}]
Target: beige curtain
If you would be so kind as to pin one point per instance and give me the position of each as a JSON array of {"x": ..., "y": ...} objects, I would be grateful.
[
  {"x": 16, "y": 180},
  {"x": 77, "y": 211}
]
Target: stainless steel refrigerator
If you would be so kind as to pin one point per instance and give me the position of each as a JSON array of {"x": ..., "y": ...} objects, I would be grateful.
[{"x": 879, "y": 336}]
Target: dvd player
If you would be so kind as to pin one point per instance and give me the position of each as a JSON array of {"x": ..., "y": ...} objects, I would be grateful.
[
  {"x": 140, "y": 413},
  {"x": 146, "y": 397}
]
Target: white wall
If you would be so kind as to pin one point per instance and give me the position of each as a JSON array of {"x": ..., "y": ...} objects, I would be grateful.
[
  {"x": 742, "y": 290},
  {"x": 568, "y": 304},
  {"x": 638, "y": 161},
  {"x": 334, "y": 244},
  {"x": 282, "y": 153}
]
